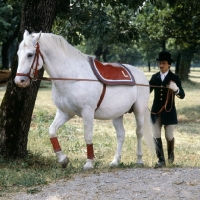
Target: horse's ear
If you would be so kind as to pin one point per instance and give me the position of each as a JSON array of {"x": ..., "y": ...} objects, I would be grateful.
[
  {"x": 36, "y": 38},
  {"x": 26, "y": 33}
]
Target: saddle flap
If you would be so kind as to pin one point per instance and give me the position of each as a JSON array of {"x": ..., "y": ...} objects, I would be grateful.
[{"x": 112, "y": 73}]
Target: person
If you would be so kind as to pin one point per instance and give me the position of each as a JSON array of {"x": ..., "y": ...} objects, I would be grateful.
[{"x": 166, "y": 85}]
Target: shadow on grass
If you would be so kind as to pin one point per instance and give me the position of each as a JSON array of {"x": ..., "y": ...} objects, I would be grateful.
[
  {"x": 189, "y": 84},
  {"x": 33, "y": 171},
  {"x": 189, "y": 114}
]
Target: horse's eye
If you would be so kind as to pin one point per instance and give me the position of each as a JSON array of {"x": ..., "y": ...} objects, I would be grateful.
[{"x": 29, "y": 55}]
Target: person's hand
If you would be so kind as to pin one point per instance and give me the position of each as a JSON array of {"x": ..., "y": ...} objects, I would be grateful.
[{"x": 173, "y": 86}]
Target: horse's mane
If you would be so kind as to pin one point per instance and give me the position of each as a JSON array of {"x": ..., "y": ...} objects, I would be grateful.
[{"x": 57, "y": 43}]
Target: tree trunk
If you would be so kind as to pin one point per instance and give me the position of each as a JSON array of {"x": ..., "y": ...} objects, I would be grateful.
[
  {"x": 99, "y": 52},
  {"x": 6, "y": 47},
  {"x": 5, "y": 55},
  {"x": 149, "y": 66},
  {"x": 177, "y": 66},
  {"x": 185, "y": 63},
  {"x": 163, "y": 45},
  {"x": 18, "y": 103},
  {"x": 105, "y": 53}
]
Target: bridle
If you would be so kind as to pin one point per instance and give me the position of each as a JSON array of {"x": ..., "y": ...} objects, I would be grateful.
[{"x": 34, "y": 67}]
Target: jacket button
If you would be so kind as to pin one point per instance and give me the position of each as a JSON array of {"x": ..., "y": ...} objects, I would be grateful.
[
  {"x": 160, "y": 98},
  {"x": 161, "y": 94}
]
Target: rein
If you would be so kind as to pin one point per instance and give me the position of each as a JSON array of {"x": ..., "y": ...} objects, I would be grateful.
[
  {"x": 79, "y": 79},
  {"x": 62, "y": 79},
  {"x": 169, "y": 92},
  {"x": 33, "y": 75}
]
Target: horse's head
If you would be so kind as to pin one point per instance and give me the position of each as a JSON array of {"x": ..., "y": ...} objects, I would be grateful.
[{"x": 30, "y": 59}]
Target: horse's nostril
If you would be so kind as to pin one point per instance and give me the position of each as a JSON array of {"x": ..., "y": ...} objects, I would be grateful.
[{"x": 22, "y": 81}]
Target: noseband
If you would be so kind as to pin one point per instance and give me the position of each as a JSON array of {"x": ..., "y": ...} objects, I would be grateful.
[{"x": 34, "y": 67}]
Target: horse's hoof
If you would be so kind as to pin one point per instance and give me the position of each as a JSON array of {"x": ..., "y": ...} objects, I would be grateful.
[
  {"x": 114, "y": 164},
  {"x": 88, "y": 166},
  {"x": 65, "y": 162}
]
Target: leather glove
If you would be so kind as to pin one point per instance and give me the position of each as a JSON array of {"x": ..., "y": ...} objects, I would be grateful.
[{"x": 173, "y": 86}]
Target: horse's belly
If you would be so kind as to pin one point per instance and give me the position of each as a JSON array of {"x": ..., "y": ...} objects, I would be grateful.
[{"x": 116, "y": 102}]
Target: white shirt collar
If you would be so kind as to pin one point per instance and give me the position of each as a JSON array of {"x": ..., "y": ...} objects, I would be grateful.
[{"x": 165, "y": 74}]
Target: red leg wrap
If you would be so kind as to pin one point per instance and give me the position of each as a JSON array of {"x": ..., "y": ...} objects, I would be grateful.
[
  {"x": 90, "y": 151},
  {"x": 55, "y": 143}
]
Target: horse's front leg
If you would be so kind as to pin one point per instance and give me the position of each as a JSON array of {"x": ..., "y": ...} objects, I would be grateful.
[
  {"x": 58, "y": 121},
  {"x": 88, "y": 119},
  {"x": 119, "y": 127}
]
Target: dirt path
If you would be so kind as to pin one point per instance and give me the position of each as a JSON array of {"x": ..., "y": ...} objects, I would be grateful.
[{"x": 139, "y": 183}]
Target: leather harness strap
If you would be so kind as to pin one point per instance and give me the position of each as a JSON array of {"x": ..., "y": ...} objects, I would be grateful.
[{"x": 102, "y": 96}]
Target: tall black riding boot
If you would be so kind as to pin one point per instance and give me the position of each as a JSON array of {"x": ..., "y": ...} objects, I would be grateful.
[
  {"x": 159, "y": 152},
  {"x": 170, "y": 149}
]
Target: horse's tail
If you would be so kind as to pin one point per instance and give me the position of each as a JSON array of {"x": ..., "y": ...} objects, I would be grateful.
[{"x": 148, "y": 132}]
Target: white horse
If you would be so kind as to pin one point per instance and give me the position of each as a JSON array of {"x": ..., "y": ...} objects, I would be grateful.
[{"x": 80, "y": 94}]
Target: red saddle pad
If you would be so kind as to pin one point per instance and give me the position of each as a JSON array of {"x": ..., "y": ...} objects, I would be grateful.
[{"x": 112, "y": 73}]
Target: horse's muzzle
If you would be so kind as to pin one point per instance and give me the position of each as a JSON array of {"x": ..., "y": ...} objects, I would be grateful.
[{"x": 20, "y": 82}]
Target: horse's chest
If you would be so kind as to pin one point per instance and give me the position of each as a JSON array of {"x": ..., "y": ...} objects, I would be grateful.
[
  {"x": 61, "y": 98},
  {"x": 68, "y": 99}
]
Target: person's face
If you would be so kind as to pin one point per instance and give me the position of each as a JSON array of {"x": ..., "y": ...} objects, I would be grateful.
[{"x": 164, "y": 66}]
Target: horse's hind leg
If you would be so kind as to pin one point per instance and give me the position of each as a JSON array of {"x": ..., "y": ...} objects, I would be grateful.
[
  {"x": 58, "y": 121},
  {"x": 139, "y": 132},
  {"x": 120, "y": 132}
]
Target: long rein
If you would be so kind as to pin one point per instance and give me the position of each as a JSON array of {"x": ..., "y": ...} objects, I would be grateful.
[
  {"x": 169, "y": 92},
  {"x": 33, "y": 75}
]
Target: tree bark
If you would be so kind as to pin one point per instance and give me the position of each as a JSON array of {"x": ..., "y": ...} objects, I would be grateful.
[
  {"x": 177, "y": 66},
  {"x": 105, "y": 53},
  {"x": 149, "y": 66},
  {"x": 18, "y": 103},
  {"x": 185, "y": 63},
  {"x": 5, "y": 55},
  {"x": 99, "y": 52},
  {"x": 163, "y": 45}
]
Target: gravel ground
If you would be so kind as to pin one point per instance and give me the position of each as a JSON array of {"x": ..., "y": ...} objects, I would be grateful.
[{"x": 139, "y": 183}]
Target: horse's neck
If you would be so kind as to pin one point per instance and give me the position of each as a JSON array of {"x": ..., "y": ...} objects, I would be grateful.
[{"x": 62, "y": 66}]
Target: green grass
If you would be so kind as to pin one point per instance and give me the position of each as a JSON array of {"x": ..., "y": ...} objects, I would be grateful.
[{"x": 41, "y": 166}]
